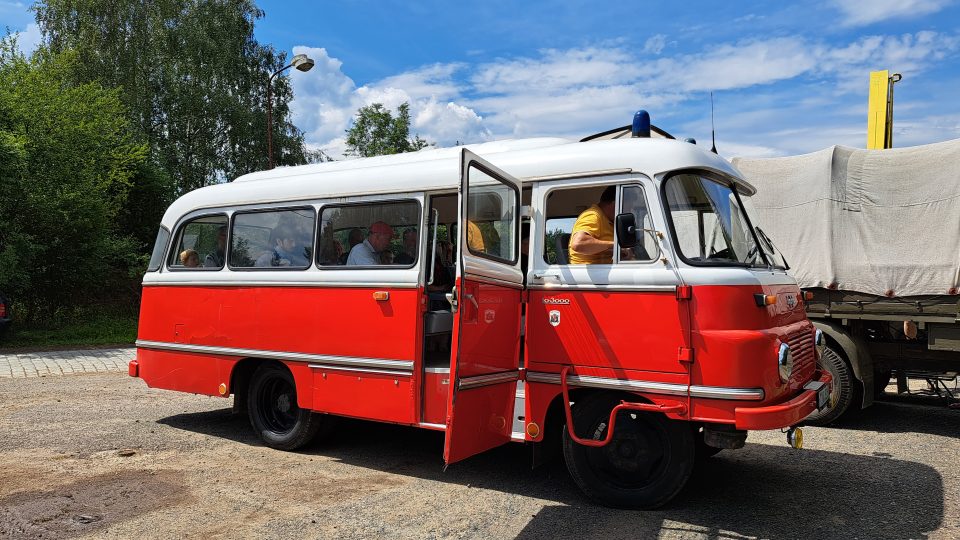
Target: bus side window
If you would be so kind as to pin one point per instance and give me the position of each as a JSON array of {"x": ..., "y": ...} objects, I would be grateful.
[
  {"x": 198, "y": 241},
  {"x": 269, "y": 239},
  {"x": 370, "y": 234}
]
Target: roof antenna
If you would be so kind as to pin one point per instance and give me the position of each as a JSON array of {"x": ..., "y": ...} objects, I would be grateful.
[{"x": 713, "y": 134}]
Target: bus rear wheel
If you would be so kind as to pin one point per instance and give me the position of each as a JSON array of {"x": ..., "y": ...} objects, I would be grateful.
[
  {"x": 646, "y": 464},
  {"x": 273, "y": 410}
]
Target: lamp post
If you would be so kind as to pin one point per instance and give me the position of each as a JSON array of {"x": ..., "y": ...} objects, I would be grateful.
[{"x": 303, "y": 63}]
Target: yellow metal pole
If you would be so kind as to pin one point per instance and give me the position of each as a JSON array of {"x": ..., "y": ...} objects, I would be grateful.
[{"x": 877, "y": 110}]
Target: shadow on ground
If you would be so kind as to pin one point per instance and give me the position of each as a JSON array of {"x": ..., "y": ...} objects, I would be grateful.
[
  {"x": 905, "y": 414},
  {"x": 759, "y": 491}
]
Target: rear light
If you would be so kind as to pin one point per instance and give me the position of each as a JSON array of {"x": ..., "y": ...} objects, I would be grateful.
[
  {"x": 763, "y": 300},
  {"x": 3, "y": 310},
  {"x": 807, "y": 295}
]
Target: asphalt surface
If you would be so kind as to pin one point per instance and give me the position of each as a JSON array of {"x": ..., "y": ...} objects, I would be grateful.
[{"x": 99, "y": 455}]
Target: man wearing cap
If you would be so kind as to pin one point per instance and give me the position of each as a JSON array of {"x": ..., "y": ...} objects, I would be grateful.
[{"x": 367, "y": 253}]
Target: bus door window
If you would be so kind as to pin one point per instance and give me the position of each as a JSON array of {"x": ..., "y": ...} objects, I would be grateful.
[
  {"x": 632, "y": 201},
  {"x": 200, "y": 244}
]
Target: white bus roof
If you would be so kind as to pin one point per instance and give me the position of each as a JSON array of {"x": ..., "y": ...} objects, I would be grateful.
[{"x": 439, "y": 169}]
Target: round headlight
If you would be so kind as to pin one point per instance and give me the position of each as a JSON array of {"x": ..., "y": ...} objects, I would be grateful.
[
  {"x": 785, "y": 362},
  {"x": 820, "y": 342}
]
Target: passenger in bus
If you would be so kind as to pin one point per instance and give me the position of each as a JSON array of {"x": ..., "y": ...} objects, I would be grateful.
[
  {"x": 409, "y": 253},
  {"x": 355, "y": 237},
  {"x": 190, "y": 258},
  {"x": 286, "y": 251},
  {"x": 386, "y": 257},
  {"x": 332, "y": 253},
  {"x": 475, "y": 238},
  {"x": 367, "y": 253},
  {"x": 215, "y": 259},
  {"x": 591, "y": 241}
]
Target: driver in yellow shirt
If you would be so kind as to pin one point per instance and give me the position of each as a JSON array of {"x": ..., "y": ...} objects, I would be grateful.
[{"x": 591, "y": 241}]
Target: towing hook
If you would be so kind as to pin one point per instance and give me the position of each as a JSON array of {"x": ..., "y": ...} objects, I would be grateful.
[{"x": 795, "y": 437}]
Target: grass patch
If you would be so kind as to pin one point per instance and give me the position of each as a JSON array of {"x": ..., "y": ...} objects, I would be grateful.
[{"x": 92, "y": 329}]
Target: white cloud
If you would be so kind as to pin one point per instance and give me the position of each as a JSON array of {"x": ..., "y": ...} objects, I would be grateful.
[
  {"x": 29, "y": 38},
  {"x": 655, "y": 44},
  {"x": 863, "y": 12},
  {"x": 579, "y": 91}
]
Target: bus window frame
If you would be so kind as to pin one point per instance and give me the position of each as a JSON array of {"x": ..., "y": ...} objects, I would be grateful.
[
  {"x": 372, "y": 202},
  {"x": 518, "y": 205},
  {"x": 260, "y": 210},
  {"x": 174, "y": 241}
]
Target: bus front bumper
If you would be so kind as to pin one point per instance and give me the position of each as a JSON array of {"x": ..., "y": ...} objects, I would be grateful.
[{"x": 788, "y": 413}]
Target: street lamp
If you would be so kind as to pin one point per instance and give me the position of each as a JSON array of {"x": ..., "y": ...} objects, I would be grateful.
[{"x": 303, "y": 63}]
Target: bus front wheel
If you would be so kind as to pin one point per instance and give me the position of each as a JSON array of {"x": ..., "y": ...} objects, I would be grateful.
[
  {"x": 273, "y": 410},
  {"x": 646, "y": 464}
]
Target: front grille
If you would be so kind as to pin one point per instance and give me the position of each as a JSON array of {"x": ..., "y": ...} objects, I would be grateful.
[{"x": 804, "y": 357}]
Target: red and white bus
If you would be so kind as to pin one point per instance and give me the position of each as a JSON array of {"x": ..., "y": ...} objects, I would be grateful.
[{"x": 692, "y": 335}]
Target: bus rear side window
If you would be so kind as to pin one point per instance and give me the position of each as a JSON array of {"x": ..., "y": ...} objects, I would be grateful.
[
  {"x": 370, "y": 234},
  {"x": 273, "y": 239},
  {"x": 200, "y": 244},
  {"x": 156, "y": 258}
]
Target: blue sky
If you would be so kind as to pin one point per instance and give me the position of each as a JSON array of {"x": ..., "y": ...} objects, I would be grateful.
[{"x": 787, "y": 78}]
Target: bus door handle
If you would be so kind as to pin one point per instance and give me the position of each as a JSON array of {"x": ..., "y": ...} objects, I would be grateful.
[
  {"x": 452, "y": 299},
  {"x": 473, "y": 301},
  {"x": 545, "y": 275}
]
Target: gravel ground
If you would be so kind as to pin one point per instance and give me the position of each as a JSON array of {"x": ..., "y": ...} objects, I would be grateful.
[{"x": 101, "y": 456}]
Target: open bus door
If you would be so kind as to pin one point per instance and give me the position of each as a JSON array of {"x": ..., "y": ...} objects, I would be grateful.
[{"x": 485, "y": 358}]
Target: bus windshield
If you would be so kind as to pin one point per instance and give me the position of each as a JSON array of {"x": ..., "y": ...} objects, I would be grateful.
[{"x": 709, "y": 222}]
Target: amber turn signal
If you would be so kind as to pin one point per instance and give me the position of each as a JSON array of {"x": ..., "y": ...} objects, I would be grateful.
[
  {"x": 764, "y": 300},
  {"x": 381, "y": 296}
]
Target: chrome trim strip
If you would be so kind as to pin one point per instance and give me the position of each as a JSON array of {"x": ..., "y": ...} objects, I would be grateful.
[
  {"x": 720, "y": 392},
  {"x": 441, "y": 427},
  {"x": 518, "y": 436},
  {"x": 313, "y": 284},
  {"x": 391, "y": 372},
  {"x": 478, "y": 381},
  {"x": 404, "y": 367},
  {"x": 437, "y": 370},
  {"x": 672, "y": 389},
  {"x": 493, "y": 281},
  {"x": 561, "y": 287},
  {"x": 584, "y": 174}
]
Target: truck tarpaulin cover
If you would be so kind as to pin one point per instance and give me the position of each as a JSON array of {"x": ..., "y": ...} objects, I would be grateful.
[{"x": 875, "y": 221}]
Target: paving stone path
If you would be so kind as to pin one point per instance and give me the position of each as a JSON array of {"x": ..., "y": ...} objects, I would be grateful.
[{"x": 52, "y": 363}]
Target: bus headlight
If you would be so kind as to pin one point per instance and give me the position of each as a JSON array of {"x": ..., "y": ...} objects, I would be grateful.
[
  {"x": 821, "y": 342},
  {"x": 785, "y": 362}
]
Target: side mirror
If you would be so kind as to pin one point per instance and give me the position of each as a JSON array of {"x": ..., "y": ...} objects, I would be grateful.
[{"x": 626, "y": 224}]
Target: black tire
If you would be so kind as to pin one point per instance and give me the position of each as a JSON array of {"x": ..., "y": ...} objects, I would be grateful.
[
  {"x": 273, "y": 410},
  {"x": 646, "y": 464},
  {"x": 844, "y": 388}
]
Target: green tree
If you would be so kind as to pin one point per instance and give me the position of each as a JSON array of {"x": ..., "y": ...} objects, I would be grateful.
[
  {"x": 376, "y": 132},
  {"x": 68, "y": 158},
  {"x": 193, "y": 78}
]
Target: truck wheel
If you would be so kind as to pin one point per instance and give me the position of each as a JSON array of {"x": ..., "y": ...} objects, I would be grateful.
[
  {"x": 842, "y": 393},
  {"x": 273, "y": 410},
  {"x": 645, "y": 465}
]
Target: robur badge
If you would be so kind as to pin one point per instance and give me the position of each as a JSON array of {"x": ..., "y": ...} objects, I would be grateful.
[
  {"x": 556, "y": 301},
  {"x": 791, "y": 301},
  {"x": 555, "y": 318}
]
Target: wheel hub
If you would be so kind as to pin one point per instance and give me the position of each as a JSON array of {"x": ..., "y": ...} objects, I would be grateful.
[{"x": 283, "y": 403}]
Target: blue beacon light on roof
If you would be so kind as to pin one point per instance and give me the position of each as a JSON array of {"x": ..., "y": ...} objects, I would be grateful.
[{"x": 641, "y": 124}]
